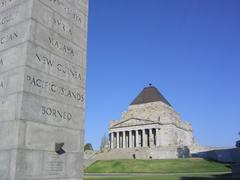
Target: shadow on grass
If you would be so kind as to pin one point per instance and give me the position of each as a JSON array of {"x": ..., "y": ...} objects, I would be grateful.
[{"x": 222, "y": 176}]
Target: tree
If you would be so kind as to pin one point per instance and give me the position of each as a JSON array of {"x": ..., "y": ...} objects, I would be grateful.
[
  {"x": 88, "y": 147},
  {"x": 104, "y": 143},
  {"x": 238, "y": 142}
]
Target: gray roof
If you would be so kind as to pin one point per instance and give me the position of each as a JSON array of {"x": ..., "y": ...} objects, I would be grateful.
[{"x": 149, "y": 94}]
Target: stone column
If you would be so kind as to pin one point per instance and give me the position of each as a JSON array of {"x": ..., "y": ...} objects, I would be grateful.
[
  {"x": 157, "y": 137},
  {"x": 43, "y": 45},
  {"x": 140, "y": 138},
  {"x": 144, "y": 138},
  {"x": 137, "y": 138},
  {"x": 124, "y": 139},
  {"x": 112, "y": 137},
  {"x": 130, "y": 139},
  {"x": 151, "y": 138},
  {"x": 118, "y": 142}
]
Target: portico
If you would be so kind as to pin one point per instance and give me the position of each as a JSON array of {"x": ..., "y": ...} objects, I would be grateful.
[{"x": 134, "y": 138}]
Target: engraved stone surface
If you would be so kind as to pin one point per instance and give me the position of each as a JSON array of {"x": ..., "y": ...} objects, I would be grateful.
[{"x": 43, "y": 47}]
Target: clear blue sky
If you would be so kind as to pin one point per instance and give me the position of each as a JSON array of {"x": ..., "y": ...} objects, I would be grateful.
[{"x": 188, "y": 49}]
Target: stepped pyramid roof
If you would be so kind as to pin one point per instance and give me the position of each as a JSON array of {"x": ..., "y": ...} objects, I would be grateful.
[{"x": 150, "y": 94}]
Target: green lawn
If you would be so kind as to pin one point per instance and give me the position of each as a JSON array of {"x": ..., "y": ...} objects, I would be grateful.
[
  {"x": 157, "y": 166},
  {"x": 168, "y": 177}
]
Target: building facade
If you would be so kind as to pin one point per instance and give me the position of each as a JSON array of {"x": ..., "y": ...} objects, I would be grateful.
[{"x": 152, "y": 125}]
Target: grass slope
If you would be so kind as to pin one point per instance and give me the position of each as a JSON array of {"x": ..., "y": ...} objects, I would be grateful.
[
  {"x": 157, "y": 166},
  {"x": 168, "y": 177}
]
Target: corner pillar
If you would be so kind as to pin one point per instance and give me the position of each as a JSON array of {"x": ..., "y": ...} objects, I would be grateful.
[{"x": 111, "y": 140}]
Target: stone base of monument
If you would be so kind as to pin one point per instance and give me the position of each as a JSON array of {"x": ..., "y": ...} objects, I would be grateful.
[{"x": 236, "y": 169}]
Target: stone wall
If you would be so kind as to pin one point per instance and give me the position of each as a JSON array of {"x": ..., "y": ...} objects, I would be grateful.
[
  {"x": 172, "y": 130},
  {"x": 42, "y": 88}
]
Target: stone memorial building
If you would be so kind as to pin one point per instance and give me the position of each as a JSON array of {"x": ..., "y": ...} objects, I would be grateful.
[{"x": 151, "y": 128}]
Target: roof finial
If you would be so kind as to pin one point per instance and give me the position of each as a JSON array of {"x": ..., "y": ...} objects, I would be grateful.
[{"x": 150, "y": 84}]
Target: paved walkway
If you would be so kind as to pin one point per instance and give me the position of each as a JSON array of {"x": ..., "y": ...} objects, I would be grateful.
[{"x": 149, "y": 174}]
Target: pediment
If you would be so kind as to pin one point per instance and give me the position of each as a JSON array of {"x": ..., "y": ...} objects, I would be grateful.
[{"x": 133, "y": 122}]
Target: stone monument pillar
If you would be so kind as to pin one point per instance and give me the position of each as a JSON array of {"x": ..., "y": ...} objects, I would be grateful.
[{"x": 42, "y": 88}]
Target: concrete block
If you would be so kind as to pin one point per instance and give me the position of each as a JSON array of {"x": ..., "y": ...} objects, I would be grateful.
[
  {"x": 44, "y": 137},
  {"x": 15, "y": 15},
  {"x": 46, "y": 111},
  {"x": 29, "y": 164},
  {"x": 44, "y": 61},
  {"x": 7, "y": 4},
  {"x": 42, "y": 88},
  {"x": 13, "y": 58},
  {"x": 4, "y": 164},
  {"x": 52, "y": 88},
  {"x": 9, "y": 134},
  {"x": 69, "y": 11},
  {"x": 9, "y": 114},
  {"x": 16, "y": 35}
]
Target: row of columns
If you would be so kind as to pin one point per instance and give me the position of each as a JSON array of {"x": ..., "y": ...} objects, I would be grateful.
[{"x": 134, "y": 138}]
